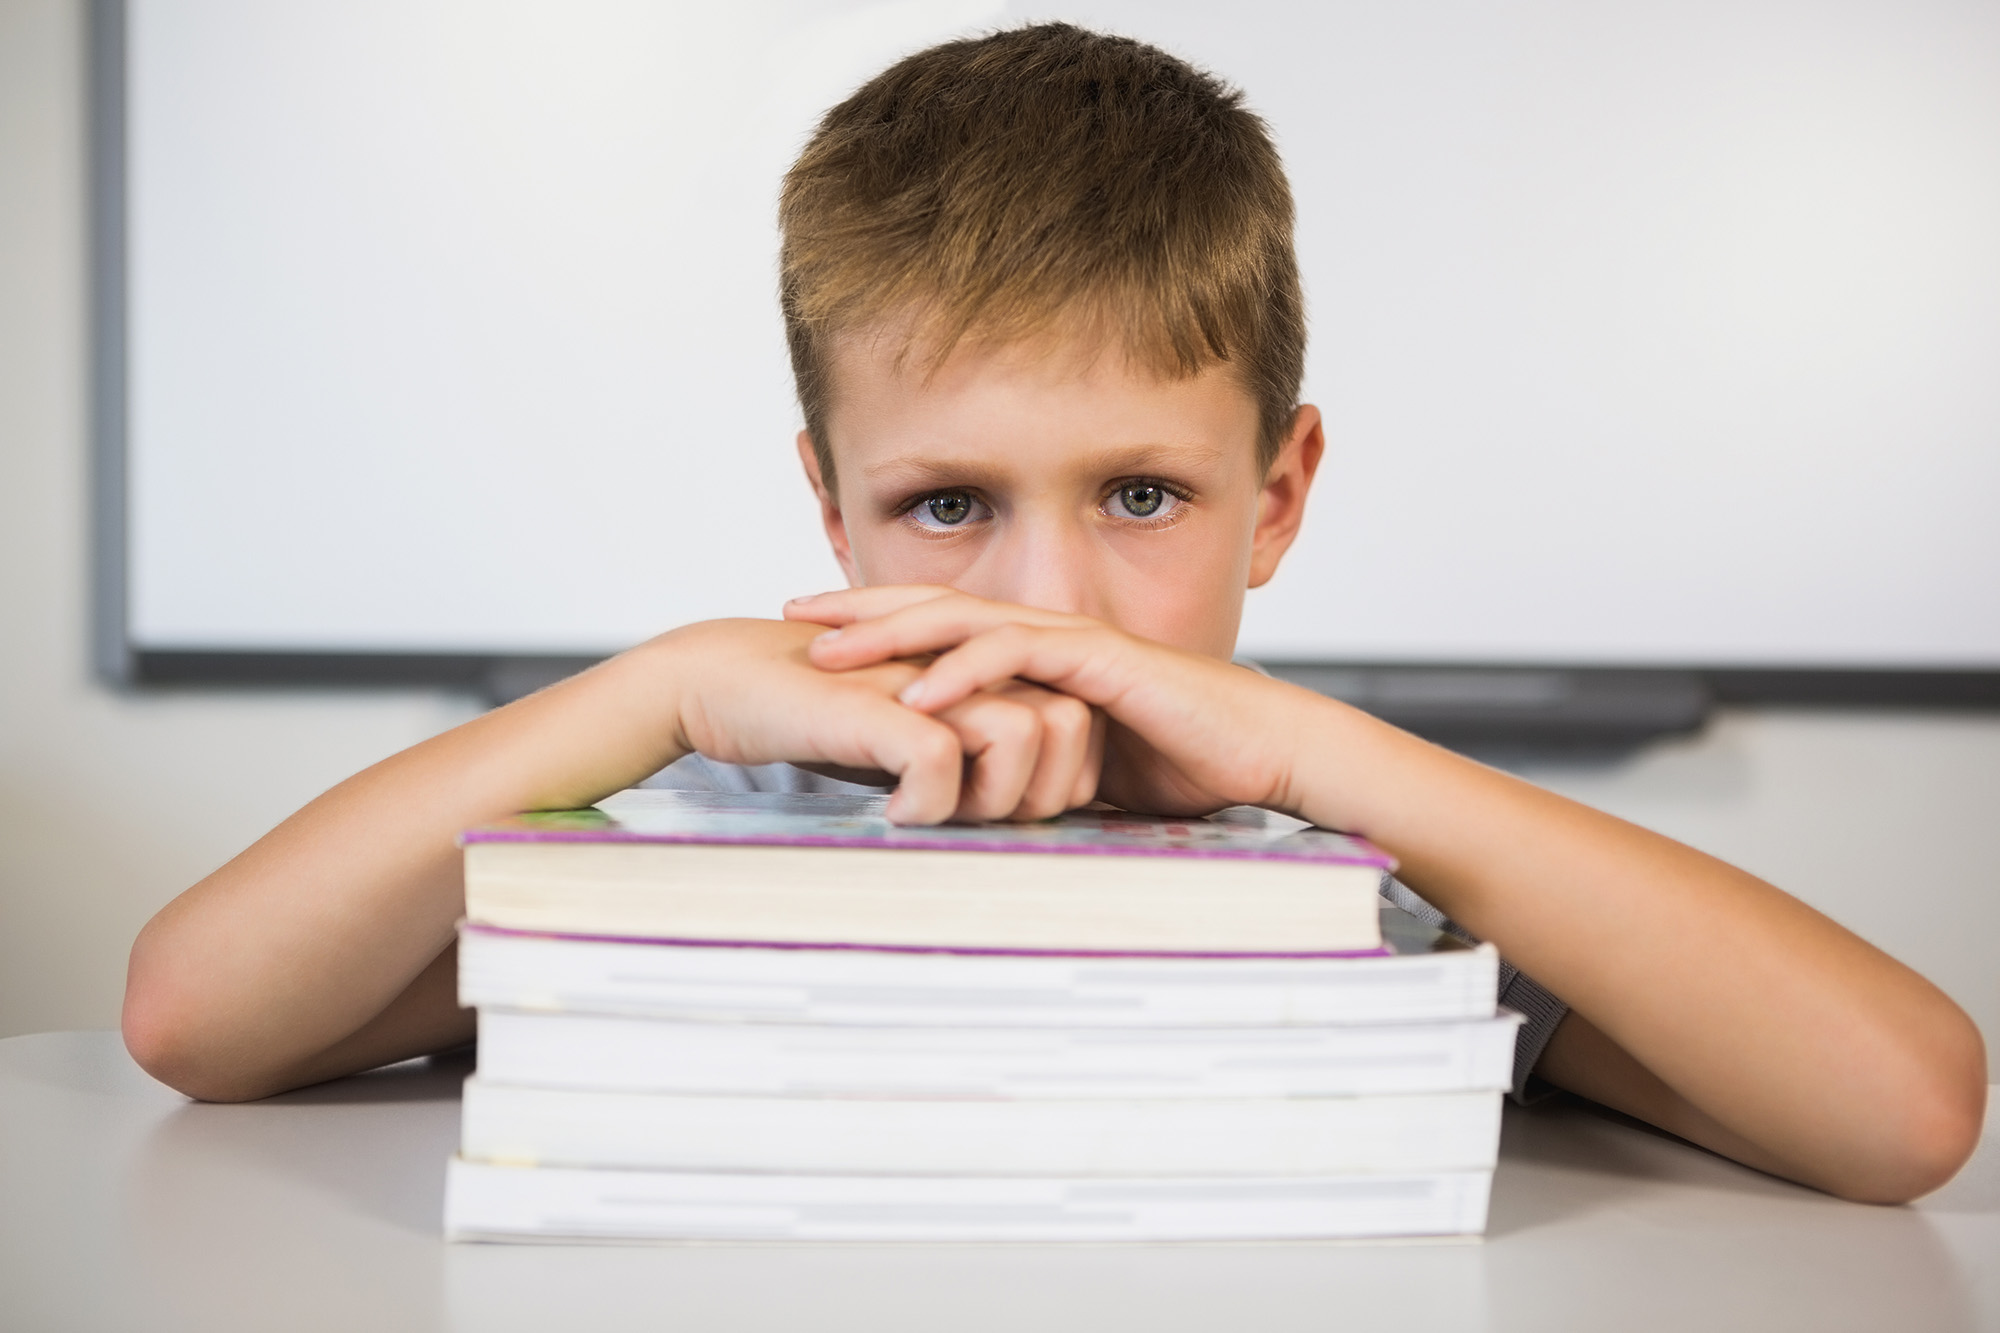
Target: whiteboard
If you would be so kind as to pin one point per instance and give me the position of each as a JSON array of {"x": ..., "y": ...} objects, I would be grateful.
[{"x": 1645, "y": 334}]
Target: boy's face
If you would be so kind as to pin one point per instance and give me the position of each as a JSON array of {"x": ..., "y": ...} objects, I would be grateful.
[{"x": 1063, "y": 479}]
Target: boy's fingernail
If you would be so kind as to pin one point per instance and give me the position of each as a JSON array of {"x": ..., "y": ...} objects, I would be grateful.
[
  {"x": 913, "y": 693},
  {"x": 809, "y": 597},
  {"x": 827, "y": 637}
]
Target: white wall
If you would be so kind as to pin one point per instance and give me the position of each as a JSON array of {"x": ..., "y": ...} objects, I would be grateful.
[{"x": 110, "y": 804}]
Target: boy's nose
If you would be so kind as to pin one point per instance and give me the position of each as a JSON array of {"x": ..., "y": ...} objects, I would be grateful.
[{"x": 1046, "y": 565}]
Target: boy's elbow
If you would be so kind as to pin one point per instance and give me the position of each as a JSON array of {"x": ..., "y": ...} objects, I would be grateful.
[
  {"x": 168, "y": 1036},
  {"x": 1941, "y": 1140},
  {"x": 1939, "y": 1118},
  {"x": 158, "y": 1043}
]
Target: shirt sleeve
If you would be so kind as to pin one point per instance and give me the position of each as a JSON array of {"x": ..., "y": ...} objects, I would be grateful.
[
  {"x": 697, "y": 772},
  {"x": 1518, "y": 991}
]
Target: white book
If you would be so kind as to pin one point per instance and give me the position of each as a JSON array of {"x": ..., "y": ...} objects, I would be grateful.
[
  {"x": 502, "y": 1203},
  {"x": 622, "y": 1054},
  {"x": 1428, "y": 978},
  {"x": 1455, "y": 1131}
]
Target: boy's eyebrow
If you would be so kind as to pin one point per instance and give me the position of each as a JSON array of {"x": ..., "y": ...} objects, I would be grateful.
[{"x": 919, "y": 470}]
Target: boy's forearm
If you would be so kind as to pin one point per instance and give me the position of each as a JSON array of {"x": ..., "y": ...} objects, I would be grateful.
[
  {"x": 1767, "y": 1017},
  {"x": 324, "y": 939}
]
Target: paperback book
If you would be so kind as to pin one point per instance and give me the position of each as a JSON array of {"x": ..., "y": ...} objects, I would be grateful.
[{"x": 697, "y": 867}]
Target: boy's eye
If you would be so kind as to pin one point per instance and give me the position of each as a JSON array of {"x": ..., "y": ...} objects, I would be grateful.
[
  {"x": 946, "y": 510},
  {"x": 1142, "y": 499}
]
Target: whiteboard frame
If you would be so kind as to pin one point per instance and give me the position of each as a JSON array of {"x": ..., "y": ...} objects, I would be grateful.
[{"x": 1566, "y": 704}]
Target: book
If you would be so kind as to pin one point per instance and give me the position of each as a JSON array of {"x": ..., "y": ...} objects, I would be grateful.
[
  {"x": 621, "y": 1054},
  {"x": 1419, "y": 975},
  {"x": 1298, "y": 1136},
  {"x": 711, "y": 867},
  {"x": 484, "y": 1201}
]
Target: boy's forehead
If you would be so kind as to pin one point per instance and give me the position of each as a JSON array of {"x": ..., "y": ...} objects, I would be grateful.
[{"x": 910, "y": 412}]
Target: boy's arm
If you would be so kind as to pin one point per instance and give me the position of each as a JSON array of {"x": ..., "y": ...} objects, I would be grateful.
[
  {"x": 328, "y": 946},
  {"x": 1703, "y": 999}
]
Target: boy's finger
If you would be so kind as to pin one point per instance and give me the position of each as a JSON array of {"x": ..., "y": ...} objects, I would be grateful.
[
  {"x": 1002, "y": 737},
  {"x": 929, "y": 626},
  {"x": 1066, "y": 727},
  {"x": 1092, "y": 771},
  {"x": 1089, "y": 664},
  {"x": 924, "y": 753},
  {"x": 850, "y": 604}
]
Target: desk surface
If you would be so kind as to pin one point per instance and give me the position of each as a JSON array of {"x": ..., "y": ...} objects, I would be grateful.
[{"x": 124, "y": 1206}]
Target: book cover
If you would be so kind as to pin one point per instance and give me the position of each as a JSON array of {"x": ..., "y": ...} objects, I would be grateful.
[{"x": 801, "y": 820}]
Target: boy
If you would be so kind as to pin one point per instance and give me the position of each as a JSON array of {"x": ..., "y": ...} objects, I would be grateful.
[{"x": 1048, "y": 337}]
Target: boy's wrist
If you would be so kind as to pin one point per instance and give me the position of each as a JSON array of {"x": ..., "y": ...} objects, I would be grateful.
[
  {"x": 1336, "y": 761},
  {"x": 594, "y": 733},
  {"x": 696, "y": 681},
  {"x": 663, "y": 682}
]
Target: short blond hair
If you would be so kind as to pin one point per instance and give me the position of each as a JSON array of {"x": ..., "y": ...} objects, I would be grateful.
[{"x": 1003, "y": 186}]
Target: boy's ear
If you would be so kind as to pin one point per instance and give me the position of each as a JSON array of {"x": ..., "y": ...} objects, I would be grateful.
[
  {"x": 829, "y": 510},
  {"x": 1281, "y": 505}
]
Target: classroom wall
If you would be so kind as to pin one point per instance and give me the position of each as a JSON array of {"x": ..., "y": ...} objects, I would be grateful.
[{"x": 111, "y": 803}]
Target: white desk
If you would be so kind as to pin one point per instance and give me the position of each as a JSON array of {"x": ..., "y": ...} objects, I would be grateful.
[{"x": 124, "y": 1206}]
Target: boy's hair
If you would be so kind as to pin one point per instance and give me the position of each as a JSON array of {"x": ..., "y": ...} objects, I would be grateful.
[{"x": 1006, "y": 187}]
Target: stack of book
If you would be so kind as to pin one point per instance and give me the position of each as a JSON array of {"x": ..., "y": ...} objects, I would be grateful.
[{"x": 721, "y": 1017}]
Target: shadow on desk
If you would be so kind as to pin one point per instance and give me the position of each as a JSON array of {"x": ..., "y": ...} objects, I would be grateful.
[
  {"x": 1602, "y": 1154},
  {"x": 435, "y": 1078}
]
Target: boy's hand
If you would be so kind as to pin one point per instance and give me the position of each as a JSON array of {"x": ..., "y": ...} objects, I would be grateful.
[
  {"x": 1189, "y": 734},
  {"x": 750, "y": 695}
]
